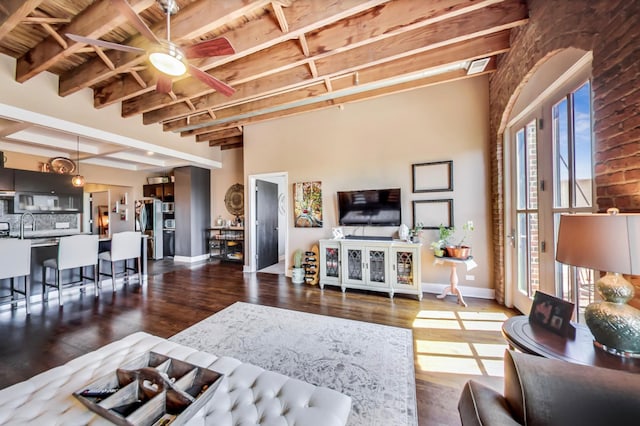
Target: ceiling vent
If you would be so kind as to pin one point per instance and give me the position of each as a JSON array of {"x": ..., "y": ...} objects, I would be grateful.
[{"x": 478, "y": 66}]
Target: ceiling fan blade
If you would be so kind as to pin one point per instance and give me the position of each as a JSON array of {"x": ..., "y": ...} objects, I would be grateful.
[
  {"x": 105, "y": 44},
  {"x": 163, "y": 85},
  {"x": 217, "y": 47},
  {"x": 211, "y": 81},
  {"x": 135, "y": 20}
]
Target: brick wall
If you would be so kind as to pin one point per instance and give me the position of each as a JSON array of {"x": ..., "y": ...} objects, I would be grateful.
[{"x": 611, "y": 30}]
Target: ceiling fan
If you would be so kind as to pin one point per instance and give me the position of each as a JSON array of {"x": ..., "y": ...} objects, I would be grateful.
[{"x": 167, "y": 57}]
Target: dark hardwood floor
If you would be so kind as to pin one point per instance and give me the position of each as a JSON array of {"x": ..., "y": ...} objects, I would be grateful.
[{"x": 451, "y": 344}]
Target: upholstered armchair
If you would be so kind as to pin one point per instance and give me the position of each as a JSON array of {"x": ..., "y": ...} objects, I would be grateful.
[{"x": 541, "y": 391}]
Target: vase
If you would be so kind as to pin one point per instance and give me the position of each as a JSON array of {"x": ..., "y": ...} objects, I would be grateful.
[
  {"x": 462, "y": 252},
  {"x": 297, "y": 275}
]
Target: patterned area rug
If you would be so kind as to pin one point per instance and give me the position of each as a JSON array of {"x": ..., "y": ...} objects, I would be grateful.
[{"x": 371, "y": 363}]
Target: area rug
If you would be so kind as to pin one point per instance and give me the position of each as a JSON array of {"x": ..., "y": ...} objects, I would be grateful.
[{"x": 371, "y": 363}]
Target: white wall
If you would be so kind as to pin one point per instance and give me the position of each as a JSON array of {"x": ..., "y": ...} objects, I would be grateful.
[{"x": 372, "y": 144}]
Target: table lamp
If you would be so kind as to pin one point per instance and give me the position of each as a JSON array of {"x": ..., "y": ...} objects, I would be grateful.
[{"x": 609, "y": 243}]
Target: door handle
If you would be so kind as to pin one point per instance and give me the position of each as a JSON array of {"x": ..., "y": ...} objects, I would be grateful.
[{"x": 512, "y": 238}]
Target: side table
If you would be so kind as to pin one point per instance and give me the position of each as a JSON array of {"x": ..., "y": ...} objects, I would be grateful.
[
  {"x": 537, "y": 340},
  {"x": 452, "y": 288}
]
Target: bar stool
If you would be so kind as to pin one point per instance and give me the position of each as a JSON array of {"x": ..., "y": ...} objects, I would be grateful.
[
  {"x": 75, "y": 251},
  {"x": 15, "y": 262},
  {"x": 124, "y": 246}
]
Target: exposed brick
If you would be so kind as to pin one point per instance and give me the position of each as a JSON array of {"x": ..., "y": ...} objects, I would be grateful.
[
  {"x": 611, "y": 30},
  {"x": 610, "y": 178}
]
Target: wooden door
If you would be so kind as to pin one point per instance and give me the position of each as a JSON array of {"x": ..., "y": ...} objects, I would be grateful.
[{"x": 267, "y": 223}]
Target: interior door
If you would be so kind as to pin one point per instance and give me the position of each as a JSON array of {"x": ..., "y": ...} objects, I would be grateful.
[{"x": 266, "y": 223}]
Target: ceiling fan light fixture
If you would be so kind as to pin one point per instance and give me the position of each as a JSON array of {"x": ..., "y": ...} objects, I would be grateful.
[{"x": 169, "y": 59}]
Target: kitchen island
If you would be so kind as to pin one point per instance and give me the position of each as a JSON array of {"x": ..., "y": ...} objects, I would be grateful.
[{"x": 46, "y": 247}]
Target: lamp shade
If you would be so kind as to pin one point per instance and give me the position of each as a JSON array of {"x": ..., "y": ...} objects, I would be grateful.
[{"x": 604, "y": 242}]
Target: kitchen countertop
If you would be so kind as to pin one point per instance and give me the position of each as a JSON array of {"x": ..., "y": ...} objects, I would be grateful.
[{"x": 48, "y": 241}]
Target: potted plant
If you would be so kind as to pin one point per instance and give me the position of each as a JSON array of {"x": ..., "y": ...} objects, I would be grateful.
[
  {"x": 297, "y": 272},
  {"x": 444, "y": 244},
  {"x": 414, "y": 233},
  {"x": 438, "y": 246}
]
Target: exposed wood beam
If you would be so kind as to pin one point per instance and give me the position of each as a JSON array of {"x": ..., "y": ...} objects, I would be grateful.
[
  {"x": 190, "y": 104},
  {"x": 313, "y": 69},
  {"x": 192, "y": 21},
  {"x": 231, "y": 146},
  {"x": 226, "y": 141},
  {"x": 53, "y": 33},
  {"x": 95, "y": 21},
  {"x": 304, "y": 45},
  {"x": 282, "y": 20},
  {"x": 104, "y": 58},
  {"x": 257, "y": 35},
  {"x": 13, "y": 12},
  {"x": 471, "y": 49},
  {"x": 222, "y": 134},
  {"x": 461, "y": 28},
  {"x": 427, "y": 81},
  {"x": 45, "y": 20},
  {"x": 137, "y": 77},
  {"x": 287, "y": 55}
]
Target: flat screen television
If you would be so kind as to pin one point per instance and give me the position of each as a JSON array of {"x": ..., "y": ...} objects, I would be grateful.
[{"x": 371, "y": 207}]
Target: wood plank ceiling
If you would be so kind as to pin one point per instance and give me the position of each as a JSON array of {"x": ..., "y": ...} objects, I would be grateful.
[{"x": 291, "y": 56}]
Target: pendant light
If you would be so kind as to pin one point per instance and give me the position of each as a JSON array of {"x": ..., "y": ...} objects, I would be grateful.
[{"x": 78, "y": 179}]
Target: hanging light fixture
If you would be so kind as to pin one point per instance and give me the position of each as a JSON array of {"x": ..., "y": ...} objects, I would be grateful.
[{"x": 78, "y": 179}]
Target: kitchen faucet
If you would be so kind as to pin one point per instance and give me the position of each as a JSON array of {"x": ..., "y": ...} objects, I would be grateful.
[{"x": 33, "y": 223}]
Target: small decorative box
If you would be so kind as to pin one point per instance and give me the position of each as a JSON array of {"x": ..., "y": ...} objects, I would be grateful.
[{"x": 153, "y": 389}]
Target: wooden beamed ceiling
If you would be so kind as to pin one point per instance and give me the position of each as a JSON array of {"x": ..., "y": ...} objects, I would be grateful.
[{"x": 291, "y": 56}]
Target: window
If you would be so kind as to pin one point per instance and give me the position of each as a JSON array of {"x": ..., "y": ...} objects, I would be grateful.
[{"x": 573, "y": 182}]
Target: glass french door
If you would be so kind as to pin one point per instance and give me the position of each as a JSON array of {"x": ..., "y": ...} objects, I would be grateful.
[
  {"x": 526, "y": 232},
  {"x": 573, "y": 184},
  {"x": 551, "y": 172}
]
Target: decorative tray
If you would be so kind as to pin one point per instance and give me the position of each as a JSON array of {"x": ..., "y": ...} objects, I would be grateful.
[{"x": 152, "y": 389}]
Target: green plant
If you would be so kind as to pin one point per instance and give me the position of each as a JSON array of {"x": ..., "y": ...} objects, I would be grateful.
[
  {"x": 445, "y": 237},
  {"x": 416, "y": 230},
  {"x": 297, "y": 259},
  {"x": 444, "y": 234},
  {"x": 468, "y": 226}
]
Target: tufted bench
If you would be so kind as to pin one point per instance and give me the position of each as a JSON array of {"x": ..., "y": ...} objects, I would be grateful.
[{"x": 248, "y": 395}]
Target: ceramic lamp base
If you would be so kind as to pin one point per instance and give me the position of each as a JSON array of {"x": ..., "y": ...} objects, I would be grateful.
[{"x": 614, "y": 324}]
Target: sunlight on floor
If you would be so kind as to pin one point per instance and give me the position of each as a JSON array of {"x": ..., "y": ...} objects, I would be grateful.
[{"x": 461, "y": 357}]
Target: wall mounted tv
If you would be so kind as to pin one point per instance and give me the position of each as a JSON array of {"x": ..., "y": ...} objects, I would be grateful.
[{"x": 371, "y": 207}]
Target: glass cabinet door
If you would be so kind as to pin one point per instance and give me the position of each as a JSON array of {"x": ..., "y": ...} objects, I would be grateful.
[
  {"x": 405, "y": 268},
  {"x": 332, "y": 262},
  {"x": 354, "y": 265},
  {"x": 377, "y": 266}
]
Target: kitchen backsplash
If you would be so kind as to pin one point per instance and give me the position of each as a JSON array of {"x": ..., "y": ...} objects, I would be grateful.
[{"x": 46, "y": 224}]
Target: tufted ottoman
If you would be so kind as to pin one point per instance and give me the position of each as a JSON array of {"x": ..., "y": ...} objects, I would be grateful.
[{"x": 248, "y": 395}]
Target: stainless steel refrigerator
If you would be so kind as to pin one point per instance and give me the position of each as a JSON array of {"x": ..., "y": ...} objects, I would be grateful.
[{"x": 149, "y": 221}]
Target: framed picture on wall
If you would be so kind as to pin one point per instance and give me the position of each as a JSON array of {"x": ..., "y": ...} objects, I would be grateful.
[
  {"x": 307, "y": 204},
  {"x": 433, "y": 213},
  {"x": 433, "y": 177}
]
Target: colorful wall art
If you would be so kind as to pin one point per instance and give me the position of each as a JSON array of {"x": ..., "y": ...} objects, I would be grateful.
[{"x": 307, "y": 209}]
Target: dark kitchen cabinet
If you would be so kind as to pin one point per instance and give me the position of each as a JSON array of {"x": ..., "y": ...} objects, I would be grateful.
[
  {"x": 6, "y": 179},
  {"x": 46, "y": 193},
  {"x": 162, "y": 191}
]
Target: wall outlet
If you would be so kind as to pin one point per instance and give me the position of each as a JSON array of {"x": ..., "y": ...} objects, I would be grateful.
[
  {"x": 62, "y": 225},
  {"x": 470, "y": 277}
]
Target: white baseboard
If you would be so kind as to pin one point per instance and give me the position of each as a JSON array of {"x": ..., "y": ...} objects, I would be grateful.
[
  {"x": 480, "y": 293},
  {"x": 192, "y": 259}
]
